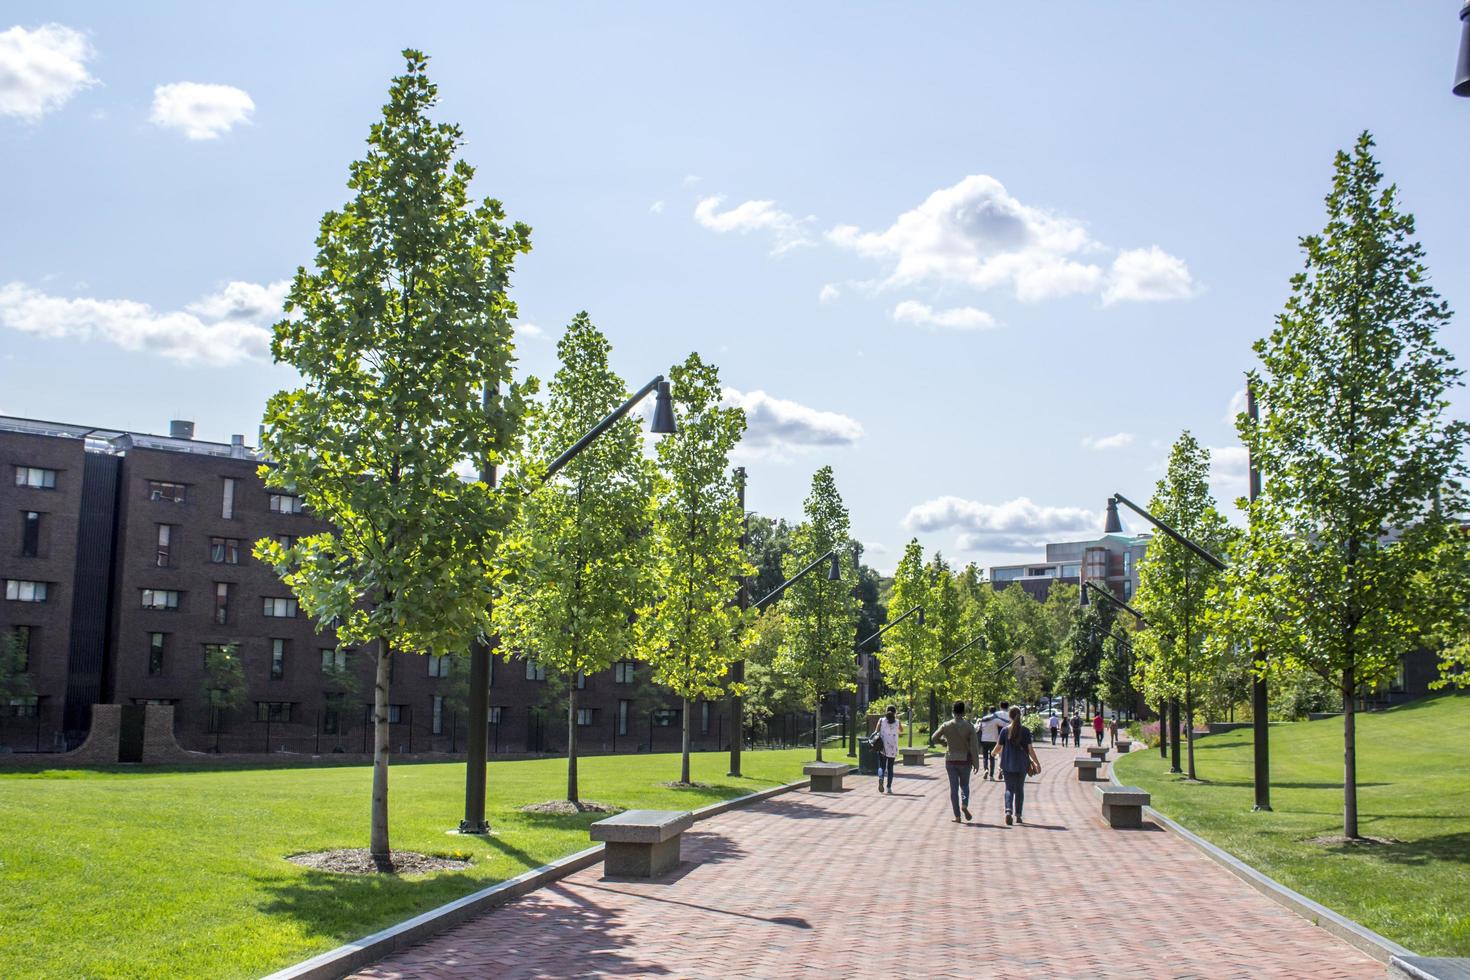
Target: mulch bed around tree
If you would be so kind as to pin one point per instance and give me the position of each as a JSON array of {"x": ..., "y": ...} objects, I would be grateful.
[
  {"x": 359, "y": 861},
  {"x": 1337, "y": 840},
  {"x": 678, "y": 785},
  {"x": 563, "y": 808}
]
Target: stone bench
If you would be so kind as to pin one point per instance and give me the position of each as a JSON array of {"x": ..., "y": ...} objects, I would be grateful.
[
  {"x": 826, "y": 776},
  {"x": 1125, "y": 745},
  {"x": 913, "y": 756},
  {"x": 1089, "y": 769},
  {"x": 641, "y": 843},
  {"x": 1122, "y": 806},
  {"x": 1098, "y": 752}
]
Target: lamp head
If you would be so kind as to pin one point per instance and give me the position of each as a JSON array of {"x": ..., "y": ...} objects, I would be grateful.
[
  {"x": 921, "y": 615},
  {"x": 1113, "y": 524},
  {"x": 834, "y": 569},
  {"x": 1462, "y": 65},
  {"x": 663, "y": 411}
]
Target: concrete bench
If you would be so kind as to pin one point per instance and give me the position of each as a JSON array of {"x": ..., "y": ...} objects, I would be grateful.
[
  {"x": 826, "y": 776},
  {"x": 913, "y": 756},
  {"x": 1125, "y": 745},
  {"x": 1098, "y": 752},
  {"x": 641, "y": 843},
  {"x": 1122, "y": 806},
  {"x": 1089, "y": 770}
]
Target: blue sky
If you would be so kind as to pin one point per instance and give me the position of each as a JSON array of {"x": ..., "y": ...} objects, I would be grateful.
[{"x": 985, "y": 260}]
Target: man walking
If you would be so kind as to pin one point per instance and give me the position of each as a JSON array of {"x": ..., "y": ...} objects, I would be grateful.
[
  {"x": 1053, "y": 723},
  {"x": 961, "y": 757},
  {"x": 990, "y": 727},
  {"x": 1097, "y": 725},
  {"x": 1076, "y": 730}
]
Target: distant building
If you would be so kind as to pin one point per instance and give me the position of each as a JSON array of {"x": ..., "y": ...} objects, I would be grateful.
[{"x": 1110, "y": 561}]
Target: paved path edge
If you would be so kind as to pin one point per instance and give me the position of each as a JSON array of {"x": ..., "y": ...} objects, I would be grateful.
[
  {"x": 1381, "y": 948},
  {"x": 345, "y": 959}
]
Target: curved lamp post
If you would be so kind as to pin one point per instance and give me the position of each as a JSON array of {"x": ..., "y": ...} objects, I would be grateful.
[
  {"x": 858, "y": 649},
  {"x": 479, "y": 706},
  {"x": 1462, "y": 64}
]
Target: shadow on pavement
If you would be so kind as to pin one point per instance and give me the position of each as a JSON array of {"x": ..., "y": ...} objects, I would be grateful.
[
  {"x": 797, "y": 809},
  {"x": 795, "y": 922}
]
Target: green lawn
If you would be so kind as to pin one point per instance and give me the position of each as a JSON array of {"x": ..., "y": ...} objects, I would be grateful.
[
  {"x": 1413, "y": 786},
  {"x": 139, "y": 873}
]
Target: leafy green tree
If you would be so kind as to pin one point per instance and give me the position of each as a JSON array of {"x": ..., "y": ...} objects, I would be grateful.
[
  {"x": 402, "y": 339},
  {"x": 15, "y": 681},
  {"x": 576, "y": 560},
  {"x": 1115, "y": 671},
  {"x": 909, "y": 659},
  {"x": 1359, "y": 457},
  {"x": 690, "y": 632},
  {"x": 223, "y": 683},
  {"x": 769, "y": 544},
  {"x": 944, "y": 613},
  {"x": 1060, "y": 610},
  {"x": 770, "y": 691},
  {"x": 1085, "y": 642},
  {"x": 1445, "y": 586},
  {"x": 1174, "y": 583},
  {"x": 821, "y": 616}
]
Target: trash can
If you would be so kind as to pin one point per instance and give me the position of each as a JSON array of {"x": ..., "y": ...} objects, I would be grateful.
[{"x": 867, "y": 758}]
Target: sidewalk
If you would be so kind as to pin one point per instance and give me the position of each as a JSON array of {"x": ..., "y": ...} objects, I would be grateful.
[{"x": 865, "y": 884}]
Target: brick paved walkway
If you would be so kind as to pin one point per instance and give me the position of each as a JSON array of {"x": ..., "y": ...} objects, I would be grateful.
[{"x": 867, "y": 884}]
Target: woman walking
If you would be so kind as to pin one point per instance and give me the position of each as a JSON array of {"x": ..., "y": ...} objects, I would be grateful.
[
  {"x": 1017, "y": 759},
  {"x": 888, "y": 730}
]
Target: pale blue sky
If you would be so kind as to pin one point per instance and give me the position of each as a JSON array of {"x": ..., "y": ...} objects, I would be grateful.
[{"x": 1118, "y": 194}]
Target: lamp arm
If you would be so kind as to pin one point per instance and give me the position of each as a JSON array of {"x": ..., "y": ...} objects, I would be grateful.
[
  {"x": 1116, "y": 601},
  {"x": 888, "y": 627},
  {"x": 1201, "y": 552},
  {"x": 601, "y": 427},
  {"x": 776, "y": 592}
]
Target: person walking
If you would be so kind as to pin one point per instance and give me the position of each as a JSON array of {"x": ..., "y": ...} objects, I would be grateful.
[
  {"x": 1097, "y": 725},
  {"x": 1017, "y": 760},
  {"x": 1113, "y": 730},
  {"x": 990, "y": 727},
  {"x": 1076, "y": 730},
  {"x": 1053, "y": 723},
  {"x": 961, "y": 757},
  {"x": 887, "y": 732}
]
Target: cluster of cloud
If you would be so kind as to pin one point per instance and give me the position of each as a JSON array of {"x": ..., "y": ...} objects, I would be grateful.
[
  {"x": 956, "y": 318},
  {"x": 42, "y": 68},
  {"x": 776, "y": 427},
  {"x": 1018, "y": 525},
  {"x": 224, "y": 327},
  {"x": 786, "y": 230},
  {"x": 1115, "y": 441},
  {"x": 200, "y": 111}
]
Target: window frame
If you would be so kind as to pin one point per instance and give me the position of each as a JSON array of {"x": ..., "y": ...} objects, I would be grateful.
[
  {"x": 229, "y": 492},
  {"x": 15, "y": 589},
  {"x": 228, "y": 550},
  {"x": 157, "y": 652},
  {"x": 156, "y": 492},
  {"x": 30, "y": 533},
  {"x": 171, "y": 600},
  {"x": 23, "y": 477},
  {"x": 278, "y": 659}
]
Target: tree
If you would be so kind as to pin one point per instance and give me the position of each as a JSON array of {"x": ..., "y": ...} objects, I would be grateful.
[
  {"x": 944, "y": 613},
  {"x": 15, "y": 681},
  {"x": 769, "y": 543},
  {"x": 769, "y": 691},
  {"x": 1083, "y": 671},
  {"x": 223, "y": 685},
  {"x": 1359, "y": 459},
  {"x": 821, "y": 616},
  {"x": 1058, "y": 613},
  {"x": 908, "y": 658},
  {"x": 576, "y": 560},
  {"x": 402, "y": 338},
  {"x": 689, "y": 633}
]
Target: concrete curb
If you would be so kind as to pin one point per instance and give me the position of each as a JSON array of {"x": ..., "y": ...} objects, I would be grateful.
[
  {"x": 1379, "y": 947},
  {"x": 1430, "y": 968},
  {"x": 352, "y": 956}
]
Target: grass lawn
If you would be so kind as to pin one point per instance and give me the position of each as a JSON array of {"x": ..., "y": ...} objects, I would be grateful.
[
  {"x": 1413, "y": 786},
  {"x": 149, "y": 873}
]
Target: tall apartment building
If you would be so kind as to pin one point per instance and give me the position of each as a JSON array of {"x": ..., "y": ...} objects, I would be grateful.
[
  {"x": 1110, "y": 561},
  {"x": 126, "y": 557}
]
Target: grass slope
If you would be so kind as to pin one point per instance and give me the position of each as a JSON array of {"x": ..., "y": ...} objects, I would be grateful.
[
  {"x": 139, "y": 873},
  {"x": 1413, "y": 786}
]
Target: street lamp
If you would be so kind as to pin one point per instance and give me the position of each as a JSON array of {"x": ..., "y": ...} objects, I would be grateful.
[
  {"x": 1462, "y": 66},
  {"x": 479, "y": 707},
  {"x": 858, "y": 649}
]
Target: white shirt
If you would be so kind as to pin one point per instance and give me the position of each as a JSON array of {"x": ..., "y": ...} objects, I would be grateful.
[
  {"x": 889, "y": 730},
  {"x": 991, "y": 726}
]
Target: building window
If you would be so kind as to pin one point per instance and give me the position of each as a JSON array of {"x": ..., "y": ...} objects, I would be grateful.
[
  {"x": 665, "y": 717},
  {"x": 213, "y": 651},
  {"x": 227, "y": 500},
  {"x": 395, "y": 714},
  {"x": 165, "y": 541},
  {"x": 21, "y": 637},
  {"x": 495, "y": 711},
  {"x": 169, "y": 493},
  {"x": 623, "y": 671},
  {"x": 29, "y": 707},
  {"x": 224, "y": 551},
  {"x": 623, "y": 710},
  {"x": 534, "y": 671},
  {"x": 286, "y": 540},
  {"x": 333, "y": 659},
  {"x": 438, "y": 703},
  {"x": 581, "y": 681},
  {"x": 331, "y": 714},
  {"x": 285, "y": 503},
  {"x": 20, "y": 590},
  {"x": 155, "y": 653},
  {"x": 30, "y": 533},
  {"x": 438, "y": 666},
  {"x": 222, "y": 602},
  {"x": 280, "y": 608},
  {"x": 704, "y": 717},
  {"x": 278, "y": 659},
  {"x": 273, "y": 711},
  {"x": 35, "y": 478},
  {"x": 584, "y": 717},
  {"x": 160, "y": 599}
]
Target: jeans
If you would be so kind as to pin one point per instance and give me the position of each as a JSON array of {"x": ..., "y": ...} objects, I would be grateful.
[
  {"x": 1099, "y": 736},
  {"x": 1054, "y": 736},
  {"x": 959, "y": 786},
  {"x": 985, "y": 748},
  {"x": 1015, "y": 792},
  {"x": 885, "y": 764},
  {"x": 1077, "y": 737}
]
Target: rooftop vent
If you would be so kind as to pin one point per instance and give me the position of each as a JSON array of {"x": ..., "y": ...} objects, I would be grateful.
[
  {"x": 237, "y": 446},
  {"x": 181, "y": 429}
]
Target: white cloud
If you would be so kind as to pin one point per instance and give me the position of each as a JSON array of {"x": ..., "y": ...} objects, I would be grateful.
[
  {"x": 230, "y": 325},
  {"x": 1016, "y": 525},
  {"x": 751, "y": 216},
  {"x": 1115, "y": 441},
  {"x": 829, "y": 293},
  {"x": 525, "y": 330},
  {"x": 1146, "y": 275},
  {"x": 657, "y": 207},
  {"x": 41, "y": 69},
  {"x": 202, "y": 111},
  {"x": 691, "y": 179},
  {"x": 1229, "y": 474},
  {"x": 776, "y": 427},
  {"x": 1236, "y": 406},
  {"x": 956, "y": 318}
]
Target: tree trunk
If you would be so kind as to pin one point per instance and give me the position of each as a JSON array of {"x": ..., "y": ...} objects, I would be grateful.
[
  {"x": 1163, "y": 729},
  {"x": 684, "y": 767},
  {"x": 1349, "y": 757},
  {"x": 1174, "y": 735},
  {"x": 911, "y": 720},
  {"x": 378, "y": 843},
  {"x": 572, "y": 741},
  {"x": 1189, "y": 727},
  {"x": 817, "y": 734}
]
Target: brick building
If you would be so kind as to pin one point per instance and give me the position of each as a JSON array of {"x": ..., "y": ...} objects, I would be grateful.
[
  {"x": 1110, "y": 561},
  {"x": 126, "y": 556}
]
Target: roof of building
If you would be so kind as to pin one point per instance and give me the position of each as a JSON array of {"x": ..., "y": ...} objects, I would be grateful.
[{"x": 102, "y": 439}]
